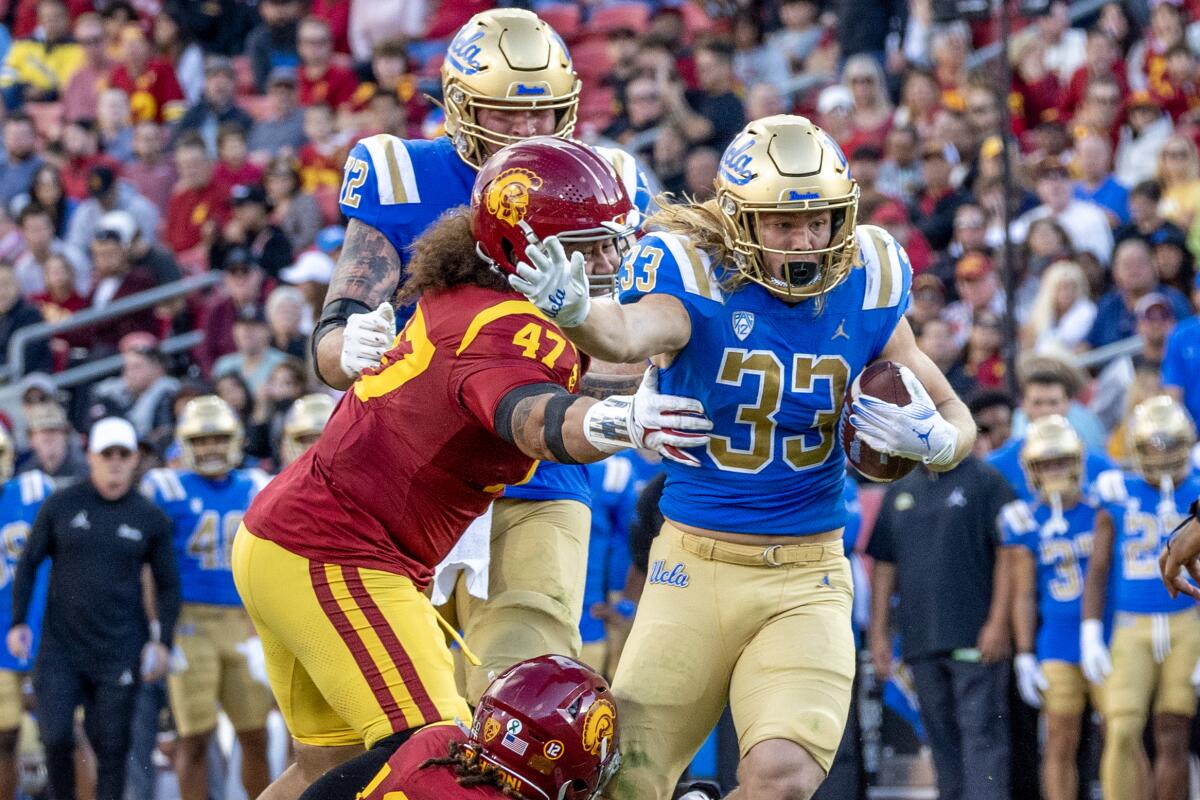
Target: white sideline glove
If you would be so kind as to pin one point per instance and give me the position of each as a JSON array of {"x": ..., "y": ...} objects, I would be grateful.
[
  {"x": 366, "y": 338},
  {"x": 256, "y": 659},
  {"x": 1093, "y": 654},
  {"x": 660, "y": 422},
  {"x": 1030, "y": 680},
  {"x": 915, "y": 431},
  {"x": 558, "y": 286}
]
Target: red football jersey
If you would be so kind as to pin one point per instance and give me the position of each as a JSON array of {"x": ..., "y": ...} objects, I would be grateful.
[
  {"x": 410, "y": 455},
  {"x": 403, "y": 772}
]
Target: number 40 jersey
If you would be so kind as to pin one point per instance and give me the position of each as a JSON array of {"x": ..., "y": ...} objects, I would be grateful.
[
  {"x": 206, "y": 513},
  {"x": 772, "y": 377}
]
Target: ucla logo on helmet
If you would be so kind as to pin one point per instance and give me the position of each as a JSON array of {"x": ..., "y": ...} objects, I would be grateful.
[
  {"x": 743, "y": 323},
  {"x": 837, "y": 150},
  {"x": 463, "y": 53},
  {"x": 508, "y": 195},
  {"x": 735, "y": 164}
]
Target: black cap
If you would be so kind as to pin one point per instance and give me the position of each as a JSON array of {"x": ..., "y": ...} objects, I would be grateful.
[
  {"x": 247, "y": 193},
  {"x": 251, "y": 313},
  {"x": 100, "y": 180},
  {"x": 239, "y": 257}
]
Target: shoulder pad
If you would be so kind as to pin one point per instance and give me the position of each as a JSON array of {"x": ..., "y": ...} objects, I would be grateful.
[
  {"x": 888, "y": 272},
  {"x": 671, "y": 263},
  {"x": 387, "y": 160},
  {"x": 617, "y": 473},
  {"x": 1110, "y": 486},
  {"x": 164, "y": 485},
  {"x": 1017, "y": 517}
]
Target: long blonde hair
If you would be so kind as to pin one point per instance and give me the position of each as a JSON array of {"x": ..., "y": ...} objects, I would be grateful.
[
  {"x": 1043, "y": 315},
  {"x": 701, "y": 224}
]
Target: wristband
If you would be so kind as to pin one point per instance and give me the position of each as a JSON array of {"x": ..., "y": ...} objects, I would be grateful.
[
  {"x": 626, "y": 608},
  {"x": 608, "y": 424},
  {"x": 333, "y": 315}
]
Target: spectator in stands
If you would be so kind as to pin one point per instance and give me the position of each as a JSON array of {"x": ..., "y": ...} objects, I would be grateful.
[
  {"x": 250, "y": 227},
  {"x": 1180, "y": 376},
  {"x": 984, "y": 359},
  {"x": 39, "y": 68},
  {"x": 983, "y": 114},
  {"x": 1110, "y": 394},
  {"x": 1177, "y": 90},
  {"x": 948, "y": 46},
  {"x": 17, "y": 313},
  {"x": 199, "y": 205},
  {"x": 114, "y": 125},
  {"x": 115, "y": 277},
  {"x": 143, "y": 393},
  {"x": 900, "y": 174},
  {"x": 764, "y": 100},
  {"x": 1133, "y": 278},
  {"x": 1046, "y": 243},
  {"x": 384, "y": 114},
  {"x": 284, "y": 386},
  {"x": 272, "y": 43},
  {"x": 233, "y": 167},
  {"x": 233, "y": 390},
  {"x": 1102, "y": 57},
  {"x": 1096, "y": 183},
  {"x": 321, "y": 79},
  {"x": 969, "y": 233},
  {"x": 150, "y": 172},
  {"x": 1179, "y": 177},
  {"x": 154, "y": 92},
  {"x": 700, "y": 173},
  {"x": 372, "y": 23},
  {"x": 37, "y": 229},
  {"x": 753, "y": 62},
  {"x": 667, "y": 158},
  {"x": 835, "y": 104},
  {"x": 1066, "y": 47},
  {"x": 992, "y": 412},
  {"x": 920, "y": 102},
  {"x": 47, "y": 193},
  {"x": 1062, "y": 313},
  {"x": 116, "y": 16},
  {"x": 872, "y": 115},
  {"x": 644, "y": 107},
  {"x": 1050, "y": 385},
  {"x": 107, "y": 193},
  {"x": 286, "y": 311},
  {"x": 21, "y": 160},
  {"x": 928, "y": 300},
  {"x": 54, "y": 449},
  {"x": 1173, "y": 262},
  {"x": 282, "y": 131},
  {"x": 79, "y": 95},
  {"x": 254, "y": 359},
  {"x": 937, "y": 342},
  {"x": 81, "y": 145},
  {"x": 1101, "y": 109},
  {"x": 979, "y": 287},
  {"x": 243, "y": 284},
  {"x": 1142, "y": 137},
  {"x": 176, "y": 46},
  {"x": 1084, "y": 221},
  {"x": 938, "y": 200},
  {"x": 892, "y": 217},
  {"x": 1145, "y": 221},
  {"x": 294, "y": 211},
  {"x": 322, "y": 159},
  {"x": 61, "y": 296},
  {"x": 713, "y": 114},
  {"x": 798, "y": 37},
  {"x": 217, "y": 106}
]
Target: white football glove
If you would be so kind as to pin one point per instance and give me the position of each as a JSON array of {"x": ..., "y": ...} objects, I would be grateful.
[
  {"x": 366, "y": 338},
  {"x": 660, "y": 422},
  {"x": 1030, "y": 680},
  {"x": 1093, "y": 653},
  {"x": 915, "y": 431},
  {"x": 557, "y": 285}
]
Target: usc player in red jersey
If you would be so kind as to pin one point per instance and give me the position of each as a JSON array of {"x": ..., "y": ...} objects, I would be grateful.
[
  {"x": 546, "y": 729},
  {"x": 333, "y": 555}
]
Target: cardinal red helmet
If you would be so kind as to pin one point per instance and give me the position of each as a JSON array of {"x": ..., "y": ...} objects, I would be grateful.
[
  {"x": 550, "y": 724},
  {"x": 546, "y": 186}
]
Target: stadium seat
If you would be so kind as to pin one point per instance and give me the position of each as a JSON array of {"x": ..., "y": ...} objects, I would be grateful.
[
  {"x": 563, "y": 17},
  {"x": 591, "y": 59},
  {"x": 597, "y": 106},
  {"x": 628, "y": 16}
]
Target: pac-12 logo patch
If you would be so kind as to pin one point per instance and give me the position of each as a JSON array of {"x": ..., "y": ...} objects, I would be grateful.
[
  {"x": 599, "y": 726},
  {"x": 508, "y": 196},
  {"x": 743, "y": 323},
  {"x": 491, "y": 729}
]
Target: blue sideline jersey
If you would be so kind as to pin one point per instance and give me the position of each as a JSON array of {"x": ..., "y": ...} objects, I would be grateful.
[
  {"x": 772, "y": 377},
  {"x": 206, "y": 514},
  {"x": 614, "y": 504},
  {"x": 1179, "y": 363},
  {"x": 1007, "y": 459},
  {"x": 1061, "y": 549},
  {"x": 20, "y": 501},
  {"x": 1142, "y": 520},
  {"x": 401, "y": 186}
]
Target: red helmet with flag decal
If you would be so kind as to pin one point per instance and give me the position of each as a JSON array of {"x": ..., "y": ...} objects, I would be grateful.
[
  {"x": 550, "y": 725},
  {"x": 546, "y": 186}
]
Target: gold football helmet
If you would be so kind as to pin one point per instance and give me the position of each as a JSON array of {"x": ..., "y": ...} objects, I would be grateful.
[
  {"x": 1160, "y": 435},
  {"x": 205, "y": 416},
  {"x": 780, "y": 164},
  {"x": 303, "y": 424},
  {"x": 1052, "y": 457},
  {"x": 505, "y": 59}
]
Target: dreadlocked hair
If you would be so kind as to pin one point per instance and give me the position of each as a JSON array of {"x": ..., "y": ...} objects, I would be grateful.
[
  {"x": 444, "y": 257},
  {"x": 471, "y": 770},
  {"x": 703, "y": 226}
]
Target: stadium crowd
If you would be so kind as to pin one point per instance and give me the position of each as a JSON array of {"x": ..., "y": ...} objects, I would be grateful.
[{"x": 147, "y": 142}]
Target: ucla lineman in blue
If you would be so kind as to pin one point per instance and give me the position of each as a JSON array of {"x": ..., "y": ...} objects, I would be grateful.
[
  {"x": 1050, "y": 537},
  {"x": 1156, "y": 638},
  {"x": 765, "y": 304},
  {"x": 206, "y": 502}
]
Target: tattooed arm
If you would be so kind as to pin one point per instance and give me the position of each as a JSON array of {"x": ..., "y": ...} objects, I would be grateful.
[{"x": 366, "y": 275}]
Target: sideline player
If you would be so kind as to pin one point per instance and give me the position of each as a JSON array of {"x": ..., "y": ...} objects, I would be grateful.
[
  {"x": 302, "y": 425},
  {"x": 507, "y": 76},
  {"x": 766, "y": 303},
  {"x": 1156, "y": 638},
  {"x": 334, "y": 553},
  {"x": 1050, "y": 538},
  {"x": 206, "y": 502},
  {"x": 1182, "y": 552}
]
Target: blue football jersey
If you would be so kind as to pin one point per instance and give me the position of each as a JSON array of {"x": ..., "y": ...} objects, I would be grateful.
[
  {"x": 20, "y": 501},
  {"x": 614, "y": 503},
  {"x": 1007, "y": 459},
  {"x": 401, "y": 186},
  {"x": 206, "y": 514},
  {"x": 772, "y": 377},
  {"x": 1061, "y": 548},
  {"x": 1142, "y": 519}
]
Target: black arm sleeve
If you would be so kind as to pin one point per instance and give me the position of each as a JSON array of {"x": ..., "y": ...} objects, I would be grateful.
[
  {"x": 166, "y": 577},
  {"x": 37, "y": 548}
]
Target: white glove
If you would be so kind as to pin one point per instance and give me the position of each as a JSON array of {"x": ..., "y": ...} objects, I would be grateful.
[
  {"x": 1030, "y": 680},
  {"x": 660, "y": 422},
  {"x": 915, "y": 431},
  {"x": 558, "y": 286},
  {"x": 1093, "y": 654},
  {"x": 366, "y": 338},
  {"x": 256, "y": 659}
]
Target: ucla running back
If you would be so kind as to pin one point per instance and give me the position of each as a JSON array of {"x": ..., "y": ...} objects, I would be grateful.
[
  {"x": 206, "y": 501},
  {"x": 1156, "y": 639},
  {"x": 766, "y": 303}
]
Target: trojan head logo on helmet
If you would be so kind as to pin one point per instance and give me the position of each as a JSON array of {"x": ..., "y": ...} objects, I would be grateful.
[
  {"x": 1052, "y": 457},
  {"x": 549, "y": 725},
  {"x": 505, "y": 60},
  {"x": 303, "y": 424},
  {"x": 546, "y": 186},
  {"x": 779, "y": 164},
  {"x": 1160, "y": 435},
  {"x": 210, "y": 436}
]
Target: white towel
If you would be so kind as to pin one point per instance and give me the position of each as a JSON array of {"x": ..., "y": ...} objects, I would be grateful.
[{"x": 471, "y": 554}]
